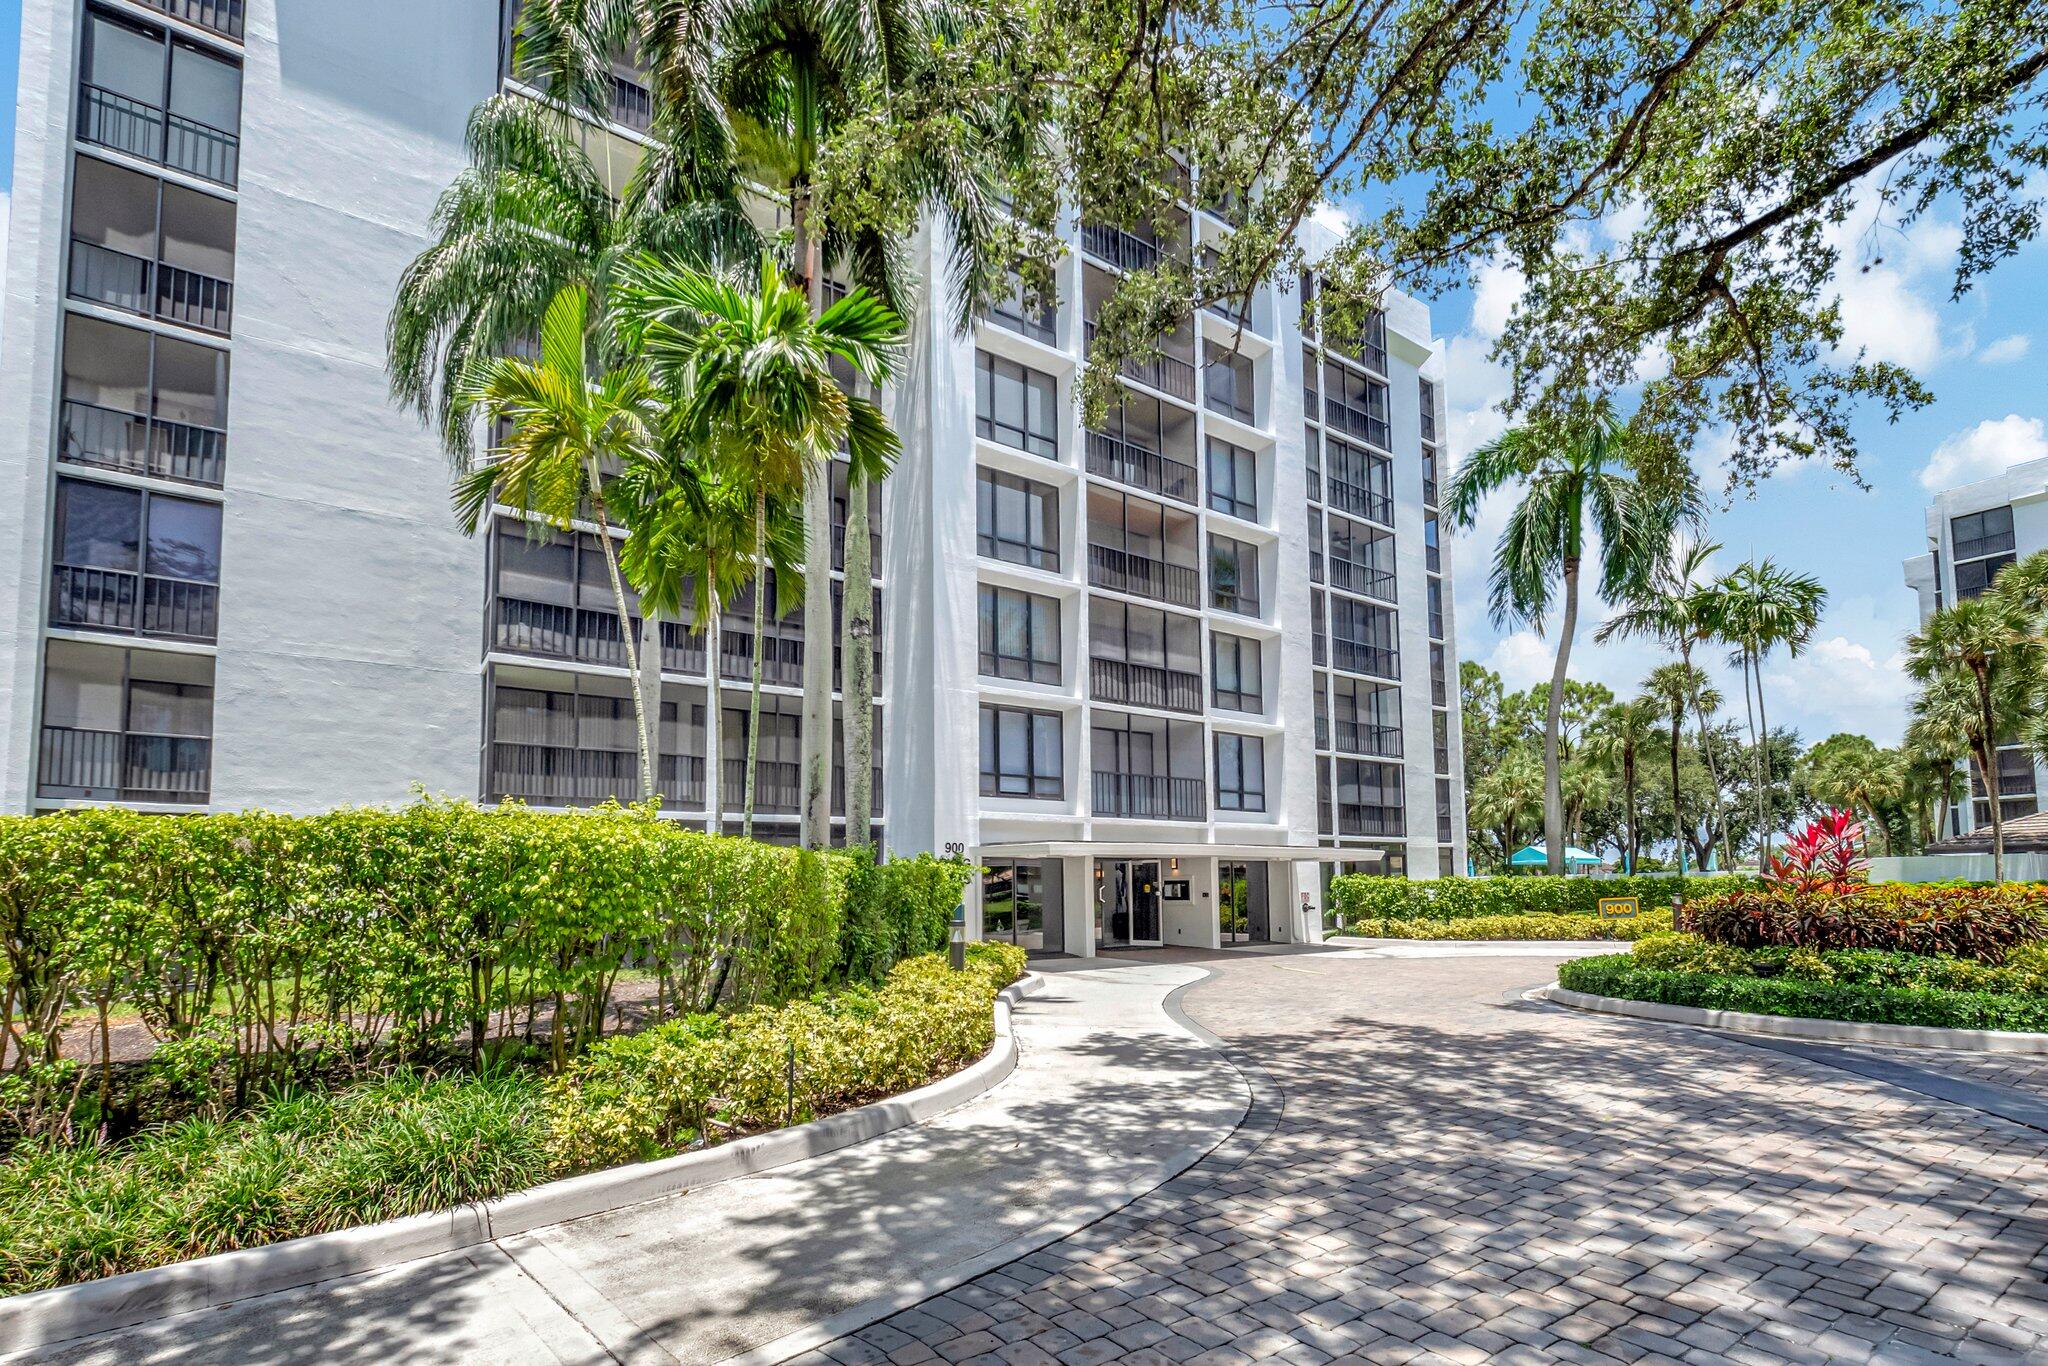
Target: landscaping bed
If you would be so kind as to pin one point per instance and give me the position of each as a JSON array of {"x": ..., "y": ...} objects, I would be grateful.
[
  {"x": 1538, "y": 927},
  {"x": 1360, "y": 898}
]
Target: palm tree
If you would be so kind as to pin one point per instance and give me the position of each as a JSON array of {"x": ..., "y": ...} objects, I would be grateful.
[
  {"x": 1623, "y": 732},
  {"x": 1854, "y": 773},
  {"x": 1673, "y": 689},
  {"x": 1938, "y": 742},
  {"x": 1506, "y": 797},
  {"x": 1990, "y": 642},
  {"x": 757, "y": 400},
  {"x": 1593, "y": 476},
  {"x": 564, "y": 432},
  {"x": 1676, "y": 608},
  {"x": 1758, "y": 607}
]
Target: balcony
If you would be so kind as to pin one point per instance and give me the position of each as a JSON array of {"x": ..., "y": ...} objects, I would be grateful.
[
  {"x": 145, "y": 131},
  {"x": 1361, "y": 501},
  {"x": 782, "y": 661},
  {"x": 112, "y": 765},
  {"x": 632, "y": 105},
  {"x": 777, "y": 786},
  {"x": 99, "y": 599},
  {"x": 1380, "y": 661},
  {"x": 562, "y": 775},
  {"x": 1149, "y": 796},
  {"x": 1140, "y": 467},
  {"x": 218, "y": 16},
  {"x": 1168, "y": 373},
  {"x": 682, "y": 649},
  {"x": 1354, "y": 577},
  {"x": 1121, "y": 571},
  {"x": 110, "y": 439},
  {"x": 1115, "y": 247},
  {"x": 553, "y": 631},
  {"x": 1144, "y": 685},
  {"x": 1355, "y": 819},
  {"x": 1364, "y": 737},
  {"x": 153, "y": 289}
]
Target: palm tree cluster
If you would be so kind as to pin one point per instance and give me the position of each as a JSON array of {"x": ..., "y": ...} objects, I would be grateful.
[
  {"x": 1982, "y": 668},
  {"x": 644, "y": 356}
]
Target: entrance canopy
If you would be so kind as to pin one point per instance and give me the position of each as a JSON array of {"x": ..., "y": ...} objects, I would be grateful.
[
  {"x": 1307, "y": 853},
  {"x": 1534, "y": 856}
]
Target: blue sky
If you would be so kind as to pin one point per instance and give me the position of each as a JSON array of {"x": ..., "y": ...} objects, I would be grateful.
[{"x": 1984, "y": 357}]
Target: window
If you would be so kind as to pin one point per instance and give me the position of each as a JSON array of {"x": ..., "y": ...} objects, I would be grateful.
[
  {"x": 1429, "y": 476},
  {"x": 1363, "y": 638},
  {"x": 1361, "y": 482},
  {"x": 1371, "y": 347},
  {"x": 1227, "y": 384},
  {"x": 1023, "y": 904},
  {"x": 1315, "y": 545},
  {"x": 1369, "y": 798},
  {"x": 1015, "y": 310},
  {"x": 1022, "y": 754},
  {"x": 127, "y": 560},
  {"x": 1020, "y": 635},
  {"x": 146, "y": 246},
  {"x": 1311, "y": 392},
  {"x": 1443, "y": 810},
  {"x": 1439, "y": 676},
  {"x": 1240, "y": 772},
  {"x": 1312, "y": 442},
  {"x": 1233, "y": 480},
  {"x": 158, "y": 98},
  {"x": 1436, "y": 609},
  {"x": 1982, "y": 533},
  {"x": 1428, "y": 400},
  {"x": 1016, "y": 405},
  {"x": 1974, "y": 577},
  {"x": 1432, "y": 551},
  {"x": 1361, "y": 558},
  {"x": 142, "y": 403},
  {"x": 1233, "y": 576},
  {"x": 1017, "y": 520},
  {"x": 1237, "y": 672},
  {"x": 1143, "y": 657},
  {"x": 125, "y": 725},
  {"x": 1365, "y": 717},
  {"x": 1355, "y": 403}
]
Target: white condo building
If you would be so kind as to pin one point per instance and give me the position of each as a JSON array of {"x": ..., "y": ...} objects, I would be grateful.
[
  {"x": 1162, "y": 677},
  {"x": 1974, "y": 531}
]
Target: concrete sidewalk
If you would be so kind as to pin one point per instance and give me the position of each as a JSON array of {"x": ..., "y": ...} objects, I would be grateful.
[{"x": 1109, "y": 1098}]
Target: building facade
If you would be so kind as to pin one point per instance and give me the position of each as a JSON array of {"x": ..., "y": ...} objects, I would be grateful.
[
  {"x": 1973, "y": 531},
  {"x": 1201, "y": 651}
]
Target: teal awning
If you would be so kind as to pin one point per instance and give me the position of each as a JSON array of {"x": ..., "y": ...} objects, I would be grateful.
[{"x": 1535, "y": 856}]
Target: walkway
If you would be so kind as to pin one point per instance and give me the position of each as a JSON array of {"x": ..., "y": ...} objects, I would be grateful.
[{"x": 1108, "y": 1095}]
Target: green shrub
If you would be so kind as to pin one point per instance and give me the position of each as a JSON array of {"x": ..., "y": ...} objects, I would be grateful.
[
  {"x": 2024, "y": 973},
  {"x": 1978, "y": 922},
  {"x": 1362, "y": 897},
  {"x": 1546, "y": 926},
  {"x": 1620, "y": 975}
]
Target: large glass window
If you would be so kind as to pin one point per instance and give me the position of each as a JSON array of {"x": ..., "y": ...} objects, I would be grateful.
[
  {"x": 1237, "y": 672},
  {"x": 127, "y": 560},
  {"x": 1020, "y": 635},
  {"x": 1361, "y": 482},
  {"x": 160, "y": 98},
  {"x": 1016, "y": 405},
  {"x": 1017, "y": 520},
  {"x": 1233, "y": 480},
  {"x": 1240, "y": 772},
  {"x": 1363, "y": 638},
  {"x": 1024, "y": 904},
  {"x": 1233, "y": 575},
  {"x": 1022, "y": 753},
  {"x": 1984, "y": 545}
]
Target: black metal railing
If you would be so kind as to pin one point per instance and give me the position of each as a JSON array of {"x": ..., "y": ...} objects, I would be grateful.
[
  {"x": 1357, "y": 498},
  {"x": 136, "y": 284},
  {"x": 113, "y": 120},
  {"x": 207, "y": 152},
  {"x": 188, "y": 453},
  {"x": 186, "y": 296},
  {"x": 221, "y": 16},
  {"x": 1167, "y": 373},
  {"x": 1354, "y": 577},
  {"x": 100, "y": 599},
  {"x": 1365, "y": 737},
  {"x": 1353, "y": 819},
  {"x": 782, "y": 662},
  {"x": 1144, "y": 685},
  {"x": 1149, "y": 796},
  {"x": 1357, "y": 421},
  {"x": 1378, "y": 660},
  {"x": 554, "y": 631},
  {"x": 875, "y": 794},
  {"x": 1141, "y": 576},
  {"x": 777, "y": 787},
  {"x": 1115, "y": 247},
  {"x": 118, "y": 765},
  {"x": 1114, "y": 458}
]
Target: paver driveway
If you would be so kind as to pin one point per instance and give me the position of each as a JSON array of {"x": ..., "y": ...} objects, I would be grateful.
[{"x": 1436, "y": 1171}]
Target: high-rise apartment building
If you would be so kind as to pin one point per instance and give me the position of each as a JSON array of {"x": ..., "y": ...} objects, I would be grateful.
[
  {"x": 1973, "y": 531},
  {"x": 1162, "y": 675}
]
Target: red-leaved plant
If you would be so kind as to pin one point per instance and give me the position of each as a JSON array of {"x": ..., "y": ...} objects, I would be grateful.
[{"x": 1825, "y": 857}]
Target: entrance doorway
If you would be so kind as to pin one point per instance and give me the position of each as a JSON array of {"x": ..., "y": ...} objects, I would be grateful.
[
  {"x": 1242, "y": 914},
  {"x": 1126, "y": 902}
]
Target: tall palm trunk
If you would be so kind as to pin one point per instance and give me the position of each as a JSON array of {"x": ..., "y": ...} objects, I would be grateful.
[
  {"x": 1553, "y": 725},
  {"x": 1763, "y": 766},
  {"x": 1987, "y": 761},
  {"x": 1749, "y": 712},
  {"x": 1628, "y": 787},
  {"x": 1677, "y": 812},
  {"x": 714, "y": 714},
  {"x": 816, "y": 800},
  {"x": 857, "y": 652},
  {"x": 611, "y": 567},
  {"x": 754, "y": 692},
  {"x": 1699, "y": 714},
  {"x": 650, "y": 686}
]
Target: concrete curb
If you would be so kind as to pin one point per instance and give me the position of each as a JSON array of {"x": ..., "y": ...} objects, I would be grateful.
[
  {"x": 1794, "y": 1027},
  {"x": 45, "y": 1317}
]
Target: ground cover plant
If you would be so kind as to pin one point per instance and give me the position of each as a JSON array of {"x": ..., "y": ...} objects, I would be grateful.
[
  {"x": 1361, "y": 897},
  {"x": 304, "y": 1160},
  {"x": 1559, "y": 925}
]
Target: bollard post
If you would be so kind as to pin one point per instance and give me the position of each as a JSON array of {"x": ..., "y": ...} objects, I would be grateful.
[{"x": 957, "y": 949}]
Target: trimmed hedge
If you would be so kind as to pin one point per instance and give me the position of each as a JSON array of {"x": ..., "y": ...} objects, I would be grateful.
[
  {"x": 1517, "y": 927},
  {"x": 1979, "y": 922},
  {"x": 1619, "y": 975},
  {"x": 1362, "y": 897},
  {"x": 305, "y": 1162},
  {"x": 424, "y": 928}
]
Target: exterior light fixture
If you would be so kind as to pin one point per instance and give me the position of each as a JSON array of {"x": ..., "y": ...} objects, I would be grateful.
[{"x": 958, "y": 947}]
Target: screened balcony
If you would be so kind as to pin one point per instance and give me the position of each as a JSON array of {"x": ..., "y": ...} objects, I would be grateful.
[
  {"x": 1137, "y": 246},
  {"x": 1171, "y": 372},
  {"x": 160, "y": 98},
  {"x": 1148, "y": 769},
  {"x": 1143, "y": 549},
  {"x": 1148, "y": 445},
  {"x": 1143, "y": 657},
  {"x": 142, "y": 403},
  {"x": 1364, "y": 638},
  {"x": 1355, "y": 717},
  {"x": 125, "y": 725},
  {"x": 1356, "y": 404},
  {"x": 220, "y": 16},
  {"x": 552, "y": 597},
  {"x": 149, "y": 247},
  {"x": 1360, "y": 482},
  {"x": 1369, "y": 799},
  {"x": 1361, "y": 559},
  {"x": 135, "y": 562},
  {"x": 572, "y": 743}
]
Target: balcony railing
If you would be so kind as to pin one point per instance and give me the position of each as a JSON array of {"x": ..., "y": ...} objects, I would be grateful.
[
  {"x": 1353, "y": 819},
  {"x": 558, "y": 632},
  {"x": 1141, "y": 468},
  {"x": 98, "y": 599},
  {"x": 111, "y": 439},
  {"x": 143, "y": 130},
  {"x": 1354, "y": 577},
  {"x": 1115, "y": 247},
  {"x": 1357, "y": 421},
  {"x": 777, "y": 787},
  {"x": 1149, "y": 796},
  {"x": 136, "y": 284},
  {"x": 221, "y": 16},
  {"x": 120, "y": 766},
  {"x": 632, "y": 103},
  {"x": 1167, "y": 373},
  {"x": 1141, "y": 576},
  {"x": 1378, "y": 660},
  {"x": 1144, "y": 685},
  {"x": 682, "y": 649},
  {"x": 1364, "y": 737},
  {"x": 1357, "y": 498},
  {"x": 782, "y": 662}
]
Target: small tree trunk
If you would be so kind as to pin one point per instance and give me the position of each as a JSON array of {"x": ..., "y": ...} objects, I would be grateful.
[
  {"x": 611, "y": 566},
  {"x": 816, "y": 783},
  {"x": 1763, "y": 765},
  {"x": 1553, "y": 724},
  {"x": 1713, "y": 764},
  {"x": 1988, "y": 758},
  {"x": 650, "y": 686},
  {"x": 1628, "y": 787},
  {"x": 857, "y": 652},
  {"x": 714, "y": 715},
  {"x": 754, "y": 694},
  {"x": 1677, "y": 813}
]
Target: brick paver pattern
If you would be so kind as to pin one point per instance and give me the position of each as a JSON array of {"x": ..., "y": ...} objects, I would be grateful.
[{"x": 1434, "y": 1172}]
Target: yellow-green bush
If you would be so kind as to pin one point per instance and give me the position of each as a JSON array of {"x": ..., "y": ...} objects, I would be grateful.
[
  {"x": 1542, "y": 926},
  {"x": 1363, "y": 897}
]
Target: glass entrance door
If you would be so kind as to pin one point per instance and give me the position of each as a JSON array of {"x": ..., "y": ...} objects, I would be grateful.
[
  {"x": 1126, "y": 902},
  {"x": 1242, "y": 915}
]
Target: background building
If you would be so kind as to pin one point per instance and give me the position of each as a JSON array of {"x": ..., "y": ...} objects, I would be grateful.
[
  {"x": 1973, "y": 532},
  {"x": 1202, "y": 652}
]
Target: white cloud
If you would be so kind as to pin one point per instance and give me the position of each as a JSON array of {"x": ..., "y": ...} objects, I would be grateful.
[
  {"x": 2006, "y": 350},
  {"x": 1332, "y": 218},
  {"x": 1985, "y": 450},
  {"x": 1890, "y": 283},
  {"x": 1838, "y": 684},
  {"x": 1522, "y": 660}
]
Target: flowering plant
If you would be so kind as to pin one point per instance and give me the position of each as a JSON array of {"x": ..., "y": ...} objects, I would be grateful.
[{"x": 1827, "y": 856}]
